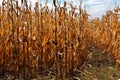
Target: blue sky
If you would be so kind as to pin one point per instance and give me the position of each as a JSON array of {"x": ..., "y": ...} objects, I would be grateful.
[{"x": 95, "y": 8}]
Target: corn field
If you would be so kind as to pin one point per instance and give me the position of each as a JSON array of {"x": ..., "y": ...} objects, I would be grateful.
[{"x": 37, "y": 41}]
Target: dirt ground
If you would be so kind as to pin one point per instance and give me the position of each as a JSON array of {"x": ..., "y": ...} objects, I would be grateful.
[{"x": 100, "y": 66}]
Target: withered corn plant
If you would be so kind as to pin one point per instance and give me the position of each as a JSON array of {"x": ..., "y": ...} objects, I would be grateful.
[
  {"x": 44, "y": 41},
  {"x": 104, "y": 34},
  {"x": 39, "y": 41}
]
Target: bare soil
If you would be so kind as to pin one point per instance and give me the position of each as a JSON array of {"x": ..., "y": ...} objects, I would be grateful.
[{"x": 100, "y": 66}]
